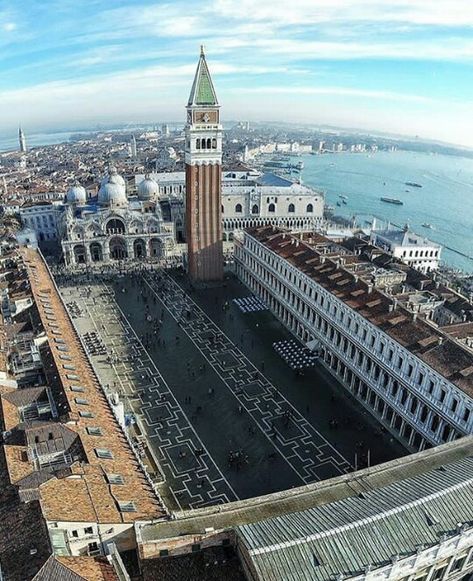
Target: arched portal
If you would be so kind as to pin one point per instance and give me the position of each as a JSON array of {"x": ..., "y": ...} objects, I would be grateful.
[
  {"x": 79, "y": 253},
  {"x": 96, "y": 252},
  {"x": 115, "y": 226},
  {"x": 118, "y": 248},
  {"x": 156, "y": 248},
  {"x": 139, "y": 249},
  {"x": 255, "y": 209}
]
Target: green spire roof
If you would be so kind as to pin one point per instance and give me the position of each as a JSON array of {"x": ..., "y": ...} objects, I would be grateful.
[{"x": 202, "y": 92}]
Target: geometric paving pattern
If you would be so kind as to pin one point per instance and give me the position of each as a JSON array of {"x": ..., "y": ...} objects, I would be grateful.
[
  {"x": 308, "y": 453},
  {"x": 193, "y": 479}
]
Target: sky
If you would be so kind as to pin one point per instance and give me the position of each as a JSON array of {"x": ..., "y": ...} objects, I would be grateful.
[{"x": 398, "y": 66}]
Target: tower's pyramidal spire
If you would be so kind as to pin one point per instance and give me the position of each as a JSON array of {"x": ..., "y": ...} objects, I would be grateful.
[{"x": 203, "y": 91}]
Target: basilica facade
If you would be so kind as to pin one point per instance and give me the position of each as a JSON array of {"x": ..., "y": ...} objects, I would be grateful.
[{"x": 112, "y": 226}]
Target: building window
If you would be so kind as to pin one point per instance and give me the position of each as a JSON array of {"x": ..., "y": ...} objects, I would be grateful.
[
  {"x": 93, "y": 549},
  {"x": 291, "y": 209},
  {"x": 309, "y": 209},
  {"x": 75, "y": 534},
  {"x": 458, "y": 564},
  {"x": 89, "y": 531},
  {"x": 238, "y": 209},
  {"x": 255, "y": 209},
  {"x": 271, "y": 208},
  {"x": 103, "y": 453},
  {"x": 116, "y": 479},
  {"x": 438, "y": 573},
  {"x": 126, "y": 506}
]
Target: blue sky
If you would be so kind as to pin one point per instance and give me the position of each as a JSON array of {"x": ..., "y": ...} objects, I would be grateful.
[{"x": 403, "y": 66}]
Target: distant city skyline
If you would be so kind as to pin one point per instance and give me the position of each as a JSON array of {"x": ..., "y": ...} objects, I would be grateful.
[{"x": 403, "y": 67}]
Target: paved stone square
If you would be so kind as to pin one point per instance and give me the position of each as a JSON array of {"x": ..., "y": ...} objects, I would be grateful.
[{"x": 219, "y": 424}]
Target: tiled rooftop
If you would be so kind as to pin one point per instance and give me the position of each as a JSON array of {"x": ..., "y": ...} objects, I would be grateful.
[
  {"x": 87, "y": 493},
  {"x": 425, "y": 341},
  {"x": 77, "y": 569}
]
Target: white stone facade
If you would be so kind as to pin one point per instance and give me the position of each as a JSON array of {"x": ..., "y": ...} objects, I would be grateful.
[
  {"x": 249, "y": 199},
  {"x": 416, "y": 404},
  {"x": 416, "y": 251},
  {"x": 43, "y": 219},
  {"x": 135, "y": 232}
]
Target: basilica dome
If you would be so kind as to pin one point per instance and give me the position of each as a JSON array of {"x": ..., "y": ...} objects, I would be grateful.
[
  {"x": 112, "y": 172},
  {"x": 147, "y": 189},
  {"x": 112, "y": 190},
  {"x": 76, "y": 195}
]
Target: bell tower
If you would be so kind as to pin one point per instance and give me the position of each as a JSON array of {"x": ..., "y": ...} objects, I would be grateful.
[{"x": 203, "y": 159}]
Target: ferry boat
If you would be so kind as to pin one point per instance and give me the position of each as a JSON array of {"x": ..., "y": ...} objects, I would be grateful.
[
  {"x": 343, "y": 197},
  {"x": 427, "y": 225},
  {"x": 392, "y": 201},
  {"x": 413, "y": 184}
]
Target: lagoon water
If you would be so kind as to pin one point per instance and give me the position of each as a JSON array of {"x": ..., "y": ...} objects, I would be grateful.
[
  {"x": 10, "y": 142},
  {"x": 445, "y": 199}
]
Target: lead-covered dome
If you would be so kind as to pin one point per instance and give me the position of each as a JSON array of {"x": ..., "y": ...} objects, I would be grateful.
[
  {"x": 76, "y": 195},
  {"x": 147, "y": 189},
  {"x": 112, "y": 190}
]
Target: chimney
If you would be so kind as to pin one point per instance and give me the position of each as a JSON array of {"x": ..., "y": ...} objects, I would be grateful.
[
  {"x": 414, "y": 317},
  {"x": 440, "y": 341},
  {"x": 370, "y": 288}
]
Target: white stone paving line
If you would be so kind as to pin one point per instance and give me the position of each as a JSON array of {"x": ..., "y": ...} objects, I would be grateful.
[
  {"x": 125, "y": 324},
  {"x": 183, "y": 300}
]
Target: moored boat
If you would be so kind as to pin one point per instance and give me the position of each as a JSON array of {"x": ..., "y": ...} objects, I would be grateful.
[{"x": 392, "y": 201}]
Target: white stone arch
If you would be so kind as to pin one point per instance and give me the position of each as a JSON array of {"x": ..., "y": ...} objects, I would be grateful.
[
  {"x": 136, "y": 226},
  {"x": 78, "y": 232},
  {"x": 115, "y": 224},
  {"x": 152, "y": 225},
  {"x": 93, "y": 228},
  {"x": 96, "y": 251}
]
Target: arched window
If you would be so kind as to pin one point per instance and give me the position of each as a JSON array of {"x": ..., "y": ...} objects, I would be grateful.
[
  {"x": 255, "y": 209},
  {"x": 271, "y": 208},
  {"x": 310, "y": 208},
  {"x": 197, "y": 143},
  {"x": 291, "y": 209},
  {"x": 209, "y": 143},
  {"x": 214, "y": 144},
  {"x": 238, "y": 209},
  {"x": 223, "y": 209}
]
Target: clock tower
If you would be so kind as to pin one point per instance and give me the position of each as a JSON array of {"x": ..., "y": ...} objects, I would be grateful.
[{"x": 203, "y": 159}]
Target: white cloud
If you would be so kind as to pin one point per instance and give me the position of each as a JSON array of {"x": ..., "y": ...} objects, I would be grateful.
[
  {"x": 418, "y": 12},
  {"x": 337, "y": 92},
  {"x": 9, "y": 26}
]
